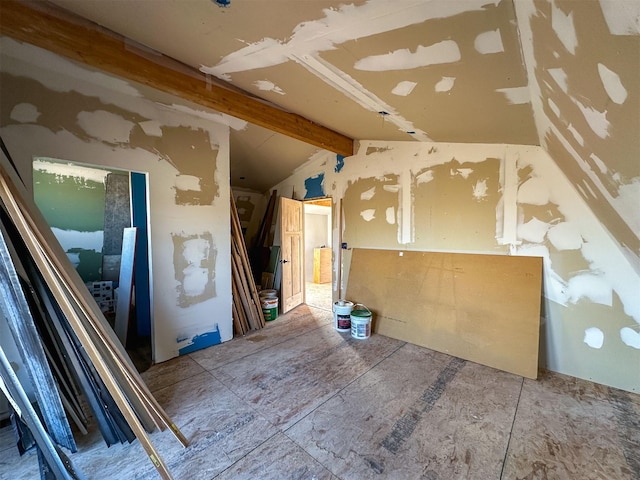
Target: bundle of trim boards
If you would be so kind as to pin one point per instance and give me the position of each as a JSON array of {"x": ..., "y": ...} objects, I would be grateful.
[{"x": 65, "y": 343}]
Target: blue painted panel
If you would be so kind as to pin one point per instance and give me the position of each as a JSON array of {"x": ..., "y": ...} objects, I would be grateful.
[
  {"x": 339, "y": 163},
  {"x": 314, "y": 186},
  {"x": 141, "y": 270},
  {"x": 201, "y": 341}
]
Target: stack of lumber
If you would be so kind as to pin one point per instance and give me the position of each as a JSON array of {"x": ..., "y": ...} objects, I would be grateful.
[
  {"x": 247, "y": 310},
  {"x": 55, "y": 321}
]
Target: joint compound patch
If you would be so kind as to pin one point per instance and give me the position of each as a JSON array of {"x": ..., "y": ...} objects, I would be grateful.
[
  {"x": 594, "y": 337},
  {"x": 194, "y": 259}
]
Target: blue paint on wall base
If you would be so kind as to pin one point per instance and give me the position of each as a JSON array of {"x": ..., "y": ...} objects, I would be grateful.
[
  {"x": 314, "y": 186},
  {"x": 201, "y": 341},
  {"x": 339, "y": 163}
]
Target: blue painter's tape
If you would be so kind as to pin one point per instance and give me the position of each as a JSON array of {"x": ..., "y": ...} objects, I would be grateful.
[
  {"x": 201, "y": 341},
  {"x": 339, "y": 163},
  {"x": 314, "y": 186}
]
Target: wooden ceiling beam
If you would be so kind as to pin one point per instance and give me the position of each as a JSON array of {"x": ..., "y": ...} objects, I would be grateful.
[{"x": 78, "y": 39}]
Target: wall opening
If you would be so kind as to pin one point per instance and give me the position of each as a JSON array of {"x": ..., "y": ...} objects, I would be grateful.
[
  {"x": 318, "y": 253},
  {"x": 88, "y": 209}
]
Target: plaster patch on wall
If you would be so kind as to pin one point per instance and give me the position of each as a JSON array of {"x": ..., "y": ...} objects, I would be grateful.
[
  {"x": 424, "y": 177},
  {"x": 533, "y": 231},
  {"x": 368, "y": 214},
  {"x": 516, "y": 95},
  {"x": 534, "y": 191},
  {"x": 24, "y": 113},
  {"x": 560, "y": 77},
  {"x": 187, "y": 182},
  {"x": 153, "y": 128},
  {"x": 445, "y": 84},
  {"x": 630, "y": 337},
  {"x": 463, "y": 172},
  {"x": 599, "y": 163},
  {"x": 575, "y": 134},
  {"x": 594, "y": 337},
  {"x": 489, "y": 42},
  {"x": 623, "y": 18},
  {"x": 391, "y": 215},
  {"x": 105, "y": 126},
  {"x": 612, "y": 84},
  {"x": 194, "y": 259},
  {"x": 192, "y": 153},
  {"x": 596, "y": 120},
  {"x": 404, "y": 88},
  {"x": 565, "y": 236},
  {"x": 563, "y": 25},
  {"x": 480, "y": 190},
  {"x": 266, "y": 85},
  {"x": 368, "y": 194},
  {"x": 554, "y": 108},
  {"x": 446, "y": 51},
  {"x": 391, "y": 188},
  {"x": 592, "y": 286}
]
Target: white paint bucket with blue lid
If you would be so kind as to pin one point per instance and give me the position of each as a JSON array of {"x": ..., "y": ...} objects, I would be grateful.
[
  {"x": 342, "y": 315},
  {"x": 360, "y": 322}
]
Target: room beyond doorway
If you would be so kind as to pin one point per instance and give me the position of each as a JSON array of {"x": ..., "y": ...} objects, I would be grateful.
[{"x": 318, "y": 253}]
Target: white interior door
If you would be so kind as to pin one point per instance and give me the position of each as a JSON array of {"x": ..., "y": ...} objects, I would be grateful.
[{"x": 292, "y": 253}]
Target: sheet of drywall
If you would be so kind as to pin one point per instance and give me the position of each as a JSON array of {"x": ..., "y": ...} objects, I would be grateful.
[
  {"x": 52, "y": 107},
  {"x": 483, "y": 308}
]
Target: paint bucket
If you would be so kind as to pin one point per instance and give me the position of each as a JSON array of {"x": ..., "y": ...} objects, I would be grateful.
[
  {"x": 360, "y": 322},
  {"x": 270, "y": 293},
  {"x": 342, "y": 315},
  {"x": 269, "y": 308}
]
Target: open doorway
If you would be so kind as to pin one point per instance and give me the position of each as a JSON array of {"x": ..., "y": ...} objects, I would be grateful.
[
  {"x": 88, "y": 209},
  {"x": 318, "y": 253}
]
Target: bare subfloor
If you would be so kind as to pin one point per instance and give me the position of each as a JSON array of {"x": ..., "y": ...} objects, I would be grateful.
[{"x": 299, "y": 400}]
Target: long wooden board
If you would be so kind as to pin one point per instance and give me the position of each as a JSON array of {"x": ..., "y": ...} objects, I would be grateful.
[{"x": 483, "y": 308}]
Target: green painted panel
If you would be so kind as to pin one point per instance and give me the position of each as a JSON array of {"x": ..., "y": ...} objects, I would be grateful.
[{"x": 69, "y": 203}]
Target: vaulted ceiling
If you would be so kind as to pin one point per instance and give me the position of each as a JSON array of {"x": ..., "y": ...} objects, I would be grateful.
[
  {"x": 303, "y": 75},
  {"x": 440, "y": 70}
]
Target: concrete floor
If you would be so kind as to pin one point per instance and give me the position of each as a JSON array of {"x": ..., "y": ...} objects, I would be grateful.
[{"x": 299, "y": 400}]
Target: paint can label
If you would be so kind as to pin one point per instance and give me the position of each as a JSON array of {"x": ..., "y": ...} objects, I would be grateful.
[{"x": 343, "y": 321}]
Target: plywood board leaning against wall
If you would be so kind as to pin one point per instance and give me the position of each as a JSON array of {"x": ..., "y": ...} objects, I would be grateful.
[{"x": 483, "y": 308}]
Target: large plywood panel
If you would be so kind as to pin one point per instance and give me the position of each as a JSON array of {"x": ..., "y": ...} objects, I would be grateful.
[{"x": 483, "y": 308}]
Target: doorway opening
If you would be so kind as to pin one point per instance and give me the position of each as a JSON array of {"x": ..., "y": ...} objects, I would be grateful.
[
  {"x": 89, "y": 208},
  {"x": 318, "y": 253}
]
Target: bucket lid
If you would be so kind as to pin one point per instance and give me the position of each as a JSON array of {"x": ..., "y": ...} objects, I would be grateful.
[{"x": 360, "y": 313}]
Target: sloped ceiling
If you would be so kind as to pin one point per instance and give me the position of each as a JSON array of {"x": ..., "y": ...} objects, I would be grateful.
[
  {"x": 441, "y": 70},
  {"x": 563, "y": 74}
]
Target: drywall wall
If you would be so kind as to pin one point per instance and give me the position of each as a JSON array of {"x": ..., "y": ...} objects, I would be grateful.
[
  {"x": 583, "y": 60},
  {"x": 498, "y": 199},
  {"x": 51, "y": 107}
]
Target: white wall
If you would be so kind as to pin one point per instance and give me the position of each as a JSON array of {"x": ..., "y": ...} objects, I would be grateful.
[
  {"x": 108, "y": 122},
  {"x": 590, "y": 325}
]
